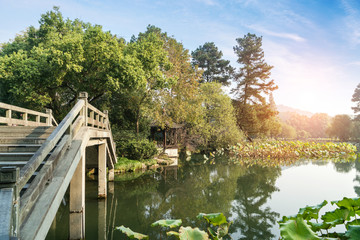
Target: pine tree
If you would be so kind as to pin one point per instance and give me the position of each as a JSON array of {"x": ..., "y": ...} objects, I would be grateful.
[{"x": 253, "y": 85}]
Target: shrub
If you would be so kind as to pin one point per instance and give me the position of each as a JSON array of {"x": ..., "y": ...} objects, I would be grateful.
[{"x": 140, "y": 149}]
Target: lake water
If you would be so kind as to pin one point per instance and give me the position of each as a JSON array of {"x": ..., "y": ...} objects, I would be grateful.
[{"x": 253, "y": 198}]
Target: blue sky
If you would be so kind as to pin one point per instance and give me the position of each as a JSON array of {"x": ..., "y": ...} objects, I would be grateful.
[{"x": 314, "y": 45}]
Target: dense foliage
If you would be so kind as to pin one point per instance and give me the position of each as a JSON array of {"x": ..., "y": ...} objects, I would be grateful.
[
  {"x": 274, "y": 153},
  {"x": 308, "y": 224}
]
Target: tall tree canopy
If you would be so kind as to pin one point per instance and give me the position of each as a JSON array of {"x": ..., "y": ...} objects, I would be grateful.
[
  {"x": 341, "y": 126},
  {"x": 49, "y": 66},
  {"x": 209, "y": 59},
  {"x": 253, "y": 84},
  {"x": 356, "y": 100}
]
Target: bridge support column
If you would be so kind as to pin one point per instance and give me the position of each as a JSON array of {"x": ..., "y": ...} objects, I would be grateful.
[
  {"x": 77, "y": 202},
  {"x": 102, "y": 183},
  {"x": 102, "y": 211}
]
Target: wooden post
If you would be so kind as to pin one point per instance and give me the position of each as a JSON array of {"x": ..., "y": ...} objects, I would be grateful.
[
  {"x": 106, "y": 120},
  {"x": 77, "y": 202},
  {"x": 49, "y": 119},
  {"x": 102, "y": 184},
  {"x": 9, "y": 202},
  {"x": 8, "y": 116},
  {"x": 84, "y": 112}
]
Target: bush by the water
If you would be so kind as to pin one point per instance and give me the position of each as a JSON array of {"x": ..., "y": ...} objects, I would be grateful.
[{"x": 134, "y": 146}]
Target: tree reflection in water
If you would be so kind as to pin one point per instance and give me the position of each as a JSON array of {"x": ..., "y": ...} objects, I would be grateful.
[{"x": 252, "y": 220}]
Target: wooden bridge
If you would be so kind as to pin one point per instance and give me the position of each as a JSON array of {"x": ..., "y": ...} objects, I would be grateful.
[{"x": 39, "y": 160}]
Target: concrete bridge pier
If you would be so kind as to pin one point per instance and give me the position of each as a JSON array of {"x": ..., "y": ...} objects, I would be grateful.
[
  {"x": 102, "y": 182},
  {"x": 77, "y": 202}
]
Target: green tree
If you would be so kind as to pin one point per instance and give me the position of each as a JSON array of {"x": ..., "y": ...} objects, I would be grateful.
[
  {"x": 208, "y": 58},
  {"x": 49, "y": 66},
  {"x": 340, "y": 127},
  {"x": 356, "y": 100},
  {"x": 287, "y": 131},
  {"x": 218, "y": 128},
  {"x": 145, "y": 64},
  {"x": 318, "y": 123},
  {"x": 253, "y": 84}
]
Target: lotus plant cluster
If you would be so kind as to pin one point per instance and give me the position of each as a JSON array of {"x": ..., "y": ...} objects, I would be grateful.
[
  {"x": 273, "y": 152},
  {"x": 309, "y": 224},
  {"x": 218, "y": 227}
]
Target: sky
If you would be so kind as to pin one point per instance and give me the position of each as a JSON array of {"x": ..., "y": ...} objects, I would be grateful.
[{"x": 314, "y": 45}]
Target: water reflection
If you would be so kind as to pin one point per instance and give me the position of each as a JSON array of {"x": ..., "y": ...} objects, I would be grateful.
[
  {"x": 251, "y": 219},
  {"x": 245, "y": 195}
]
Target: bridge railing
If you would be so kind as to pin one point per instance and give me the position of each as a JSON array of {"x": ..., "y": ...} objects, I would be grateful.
[{"x": 21, "y": 116}]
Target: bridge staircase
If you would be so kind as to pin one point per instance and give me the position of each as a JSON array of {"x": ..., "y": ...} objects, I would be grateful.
[{"x": 40, "y": 160}]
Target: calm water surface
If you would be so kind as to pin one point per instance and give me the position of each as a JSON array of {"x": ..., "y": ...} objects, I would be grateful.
[{"x": 253, "y": 198}]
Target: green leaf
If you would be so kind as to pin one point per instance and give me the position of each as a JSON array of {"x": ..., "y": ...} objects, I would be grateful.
[
  {"x": 352, "y": 204},
  {"x": 215, "y": 219},
  {"x": 311, "y": 212},
  {"x": 297, "y": 229},
  {"x": 223, "y": 229},
  {"x": 171, "y": 223},
  {"x": 318, "y": 226},
  {"x": 189, "y": 233},
  {"x": 131, "y": 234},
  {"x": 353, "y": 233},
  {"x": 337, "y": 216},
  {"x": 173, "y": 233}
]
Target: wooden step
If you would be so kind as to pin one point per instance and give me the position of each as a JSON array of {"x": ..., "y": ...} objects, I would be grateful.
[
  {"x": 19, "y": 147},
  {"x": 19, "y": 140},
  {"x": 16, "y": 156},
  {"x": 25, "y": 129}
]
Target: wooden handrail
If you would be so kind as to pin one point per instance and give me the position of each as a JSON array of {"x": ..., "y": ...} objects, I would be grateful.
[
  {"x": 35, "y": 161},
  {"x": 9, "y": 120}
]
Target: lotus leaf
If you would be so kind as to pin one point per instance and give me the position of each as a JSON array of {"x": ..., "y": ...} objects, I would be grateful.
[
  {"x": 349, "y": 203},
  {"x": 167, "y": 223},
  {"x": 215, "y": 219},
  {"x": 311, "y": 212},
  {"x": 131, "y": 234},
  {"x": 353, "y": 233},
  {"x": 297, "y": 229},
  {"x": 173, "y": 233},
  {"x": 337, "y": 216},
  {"x": 189, "y": 233}
]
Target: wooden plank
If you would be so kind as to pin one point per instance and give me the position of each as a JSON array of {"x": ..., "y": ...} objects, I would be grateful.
[
  {"x": 49, "y": 144},
  {"x": 95, "y": 142},
  {"x": 37, "y": 225},
  {"x": 38, "y": 184},
  {"x": 6, "y": 208}
]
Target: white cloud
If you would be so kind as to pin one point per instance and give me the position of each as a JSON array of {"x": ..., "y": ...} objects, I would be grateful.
[
  {"x": 290, "y": 36},
  {"x": 352, "y": 22}
]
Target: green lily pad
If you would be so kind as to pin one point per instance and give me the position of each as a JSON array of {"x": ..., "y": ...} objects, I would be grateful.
[
  {"x": 352, "y": 204},
  {"x": 131, "y": 234},
  {"x": 171, "y": 223},
  {"x": 297, "y": 229},
  {"x": 353, "y": 233},
  {"x": 338, "y": 216},
  {"x": 311, "y": 212},
  {"x": 173, "y": 233},
  {"x": 215, "y": 219},
  {"x": 189, "y": 233}
]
